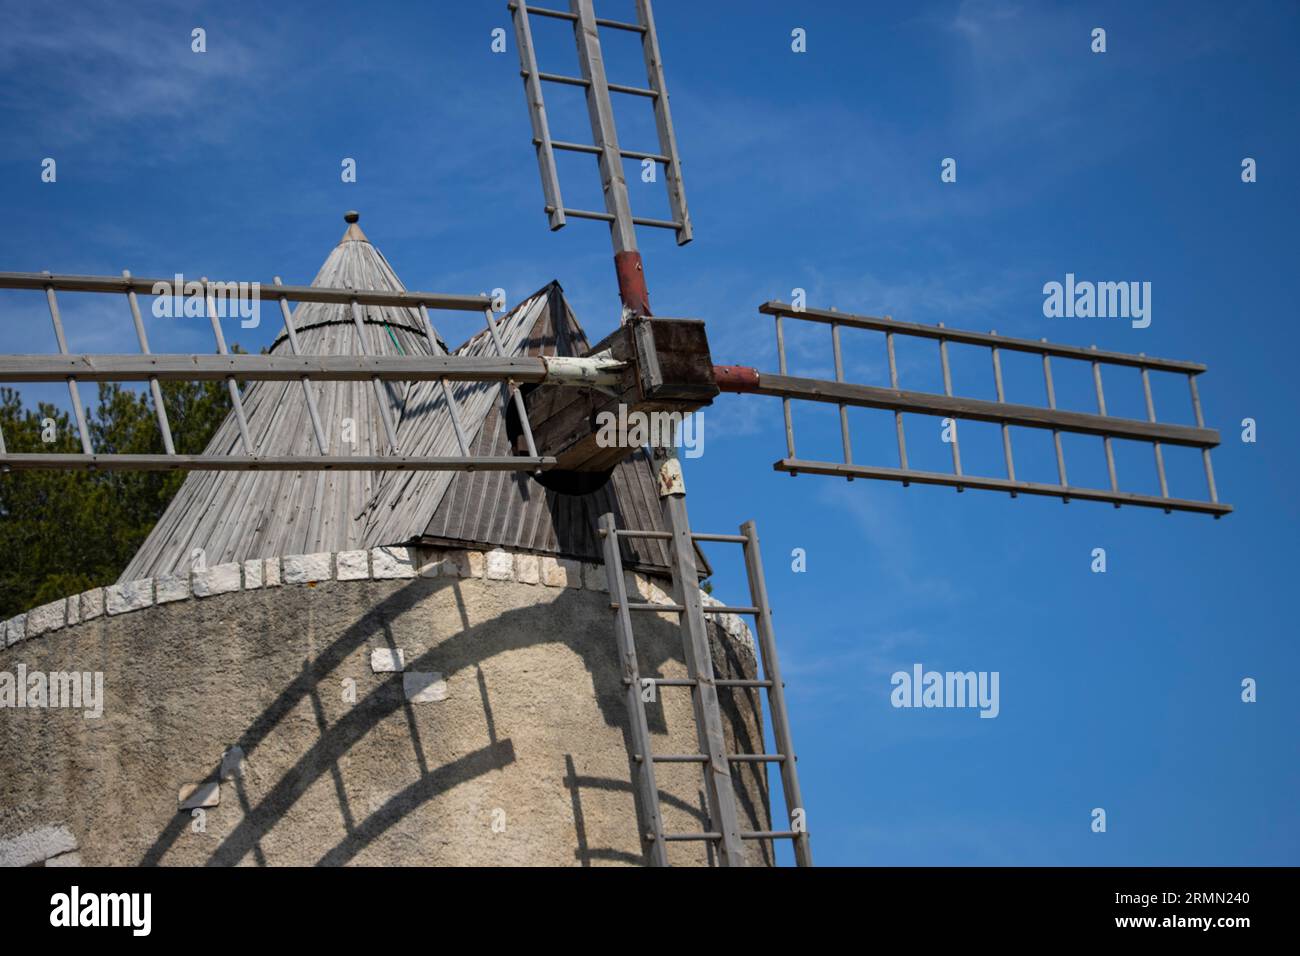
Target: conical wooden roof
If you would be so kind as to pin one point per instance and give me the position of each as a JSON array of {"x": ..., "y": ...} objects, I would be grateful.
[{"x": 236, "y": 516}]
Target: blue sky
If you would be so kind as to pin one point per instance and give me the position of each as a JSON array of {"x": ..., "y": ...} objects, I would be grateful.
[{"x": 818, "y": 171}]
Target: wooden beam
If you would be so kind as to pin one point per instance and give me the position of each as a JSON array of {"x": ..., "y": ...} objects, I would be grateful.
[
  {"x": 925, "y": 403},
  {"x": 797, "y": 466},
  {"x": 339, "y": 368},
  {"x": 601, "y": 113},
  {"x": 878, "y": 324},
  {"x": 664, "y": 122},
  {"x": 256, "y": 290},
  {"x": 31, "y": 462}
]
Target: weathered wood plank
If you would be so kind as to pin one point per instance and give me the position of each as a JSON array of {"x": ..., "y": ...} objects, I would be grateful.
[
  {"x": 1032, "y": 416},
  {"x": 256, "y": 290},
  {"x": 308, "y": 462},
  {"x": 339, "y": 368},
  {"x": 1037, "y": 347}
]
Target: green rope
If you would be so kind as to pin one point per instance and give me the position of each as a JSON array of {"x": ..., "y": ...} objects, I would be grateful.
[{"x": 394, "y": 338}]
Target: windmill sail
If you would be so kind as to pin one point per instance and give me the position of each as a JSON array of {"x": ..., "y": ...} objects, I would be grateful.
[{"x": 954, "y": 408}]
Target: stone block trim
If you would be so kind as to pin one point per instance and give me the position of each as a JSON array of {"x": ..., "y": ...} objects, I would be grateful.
[
  {"x": 253, "y": 574},
  {"x": 438, "y": 563},
  {"x": 475, "y": 559},
  {"x": 499, "y": 565},
  {"x": 132, "y": 596},
  {"x": 308, "y": 568},
  {"x": 377, "y": 564},
  {"x": 561, "y": 573},
  {"x": 220, "y": 579},
  {"x": 391, "y": 563},
  {"x": 15, "y": 629},
  {"x": 528, "y": 569},
  {"x": 47, "y": 617},
  {"x": 92, "y": 604},
  {"x": 169, "y": 587},
  {"x": 352, "y": 565},
  {"x": 733, "y": 624}
]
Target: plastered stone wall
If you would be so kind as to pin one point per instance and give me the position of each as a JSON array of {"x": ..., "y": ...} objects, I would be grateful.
[{"x": 383, "y": 707}]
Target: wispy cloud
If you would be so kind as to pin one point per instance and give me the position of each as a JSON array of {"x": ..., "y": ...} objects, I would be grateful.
[
  {"x": 128, "y": 84},
  {"x": 891, "y": 544}
]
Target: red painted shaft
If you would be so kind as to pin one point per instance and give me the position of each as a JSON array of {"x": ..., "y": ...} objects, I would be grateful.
[
  {"x": 736, "y": 378},
  {"x": 631, "y": 283}
]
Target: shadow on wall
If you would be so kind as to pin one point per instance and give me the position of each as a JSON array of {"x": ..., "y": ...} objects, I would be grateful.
[{"x": 465, "y": 649}]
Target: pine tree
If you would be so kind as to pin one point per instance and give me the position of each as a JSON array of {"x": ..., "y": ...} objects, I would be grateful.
[{"x": 62, "y": 532}]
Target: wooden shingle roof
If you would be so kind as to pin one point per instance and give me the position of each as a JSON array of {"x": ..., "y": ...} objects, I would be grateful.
[
  {"x": 234, "y": 516},
  {"x": 237, "y": 516},
  {"x": 513, "y": 509}
]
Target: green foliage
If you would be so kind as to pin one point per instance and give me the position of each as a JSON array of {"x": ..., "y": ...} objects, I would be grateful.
[{"x": 62, "y": 532}]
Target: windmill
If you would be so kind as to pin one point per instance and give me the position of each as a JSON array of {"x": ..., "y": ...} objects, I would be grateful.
[
  {"x": 447, "y": 428},
  {"x": 677, "y": 384}
]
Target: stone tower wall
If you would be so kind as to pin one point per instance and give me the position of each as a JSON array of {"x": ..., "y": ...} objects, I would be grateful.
[{"x": 261, "y": 714}]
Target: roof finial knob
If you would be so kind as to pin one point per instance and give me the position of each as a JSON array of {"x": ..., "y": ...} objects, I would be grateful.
[{"x": 351, "y": 216}]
